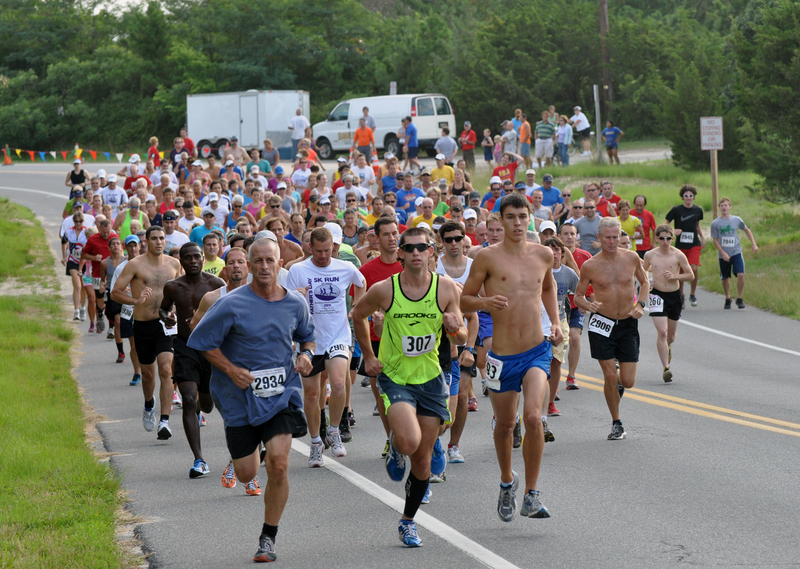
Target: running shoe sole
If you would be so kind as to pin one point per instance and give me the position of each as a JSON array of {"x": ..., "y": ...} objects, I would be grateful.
[{"x": 667, "y": 376}]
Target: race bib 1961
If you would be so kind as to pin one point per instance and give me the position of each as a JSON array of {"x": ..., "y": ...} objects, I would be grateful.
[
  {"x": 127, "y": 312},
  {"x": 655, "y": 304},
  {"x": 494, "y": 368},
  {"x": 687, "y": 237},
  {"x": 728, "y": 241},
  {"x": 418, "y": 345},
  {"x": 268, "y": 382},
  {"x": 601, "y": 325}
]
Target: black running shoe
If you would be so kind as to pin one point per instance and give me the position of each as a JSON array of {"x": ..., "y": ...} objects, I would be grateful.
[
  {"x": 739, "y": 303},
  {"x": 517, "y": 433},
  {"x": 344, "y": 430},
  {"x": 728, "y": 303},
  {"x": 323, "y": 427},
  {"x": 621, "y": 390}
]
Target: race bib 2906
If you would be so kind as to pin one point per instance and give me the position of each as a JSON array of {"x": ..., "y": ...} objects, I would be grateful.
[{"x": 601, "y": 325}]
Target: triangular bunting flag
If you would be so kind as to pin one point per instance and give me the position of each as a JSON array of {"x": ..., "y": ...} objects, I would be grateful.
[
  {"x": 94, "y": 154},
  {"x": 64, "y": 154},
  {"x": 18, "y": 152},
  {"x": 107, "y": 155},
  {"x": 42, "y": 155},
  {"x": 78, "y": 152},
  {"x": 53, "y": 154},
  {"x": 161, "y": 155},
  {"x": 31, "y": 153},
  {"x": 119, "y": 156}
]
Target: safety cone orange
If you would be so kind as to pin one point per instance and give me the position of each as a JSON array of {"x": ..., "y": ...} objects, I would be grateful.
[{"x": 376, "y": 167}]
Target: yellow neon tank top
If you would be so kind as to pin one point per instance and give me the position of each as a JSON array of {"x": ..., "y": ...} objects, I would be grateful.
[{"x": 412, "y": 329}]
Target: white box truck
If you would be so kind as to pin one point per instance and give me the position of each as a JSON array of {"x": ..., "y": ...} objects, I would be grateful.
[
  {"x": 430, "y": 112},
  {"x": 252, "y": 116}
]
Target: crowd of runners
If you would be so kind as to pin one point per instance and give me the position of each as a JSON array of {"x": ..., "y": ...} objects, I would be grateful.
[{"x": 266, "y": 289}]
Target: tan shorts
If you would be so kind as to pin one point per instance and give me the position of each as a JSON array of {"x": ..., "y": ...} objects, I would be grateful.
[{"x": 560, "y": 351}]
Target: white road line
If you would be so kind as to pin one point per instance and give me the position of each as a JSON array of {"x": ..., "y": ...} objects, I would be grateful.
[
  {"x": 59, "y": 196},
  {"x": 725, "y": 334},
  {"x": 459, "y": 540}
]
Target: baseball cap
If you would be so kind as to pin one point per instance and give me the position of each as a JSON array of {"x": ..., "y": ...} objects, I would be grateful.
[
  {"x": 313, "y": 198},
  {"x": 443, "y": 183},
  {"x": 440, "y": 157},
  {"x": 76, "y": 161},
  {"x": 470, "y": 214},
  {"x": 467, "y": 123},
  {"x": 265, "y": 234},
  {"x": 418, "y": 201},
  {"x": 504, "y": 123},
  {"x": 229, "y": 163},
  {"x": 101, "y": 173},
  {"x": 325, "y": 200},
  {"x": 547, "y": 178},
  {"x": 169, "y": 217},
  {"x": 336, "y": 231},
  {"x": 547, "y": 225},
  {"x": 279, "y": 169},
  {"x": 234, "y": 137},
  {"x": 254, "y": 168},
  {"x": 111, "y": 178},
  {"x": 340, "y": 160},
  {"x": 213, "y": 197},
  {"x": 495, "y": 180},
  {"x": 150, "y": 198},
  {"x": 474, "y": 195},
  {"x": 424, "y": 173},
  {"x": 399, "y": 176},
  {"x": 77, "y": 192},
  {"x": 388, "y": 156},
  {"x": 423, "y": 224},
  {"x": 134, "y": 159},
  {"x": 208, "y": 211},
  {"x": 530, "y": 171},
  {"x": 576, "y": 108},
  {"x": 520, "y": 186},
  {"x": 131, "y": 239},
  {"x": 197, "y": 163},
  {"x": 281, "y": 186}
]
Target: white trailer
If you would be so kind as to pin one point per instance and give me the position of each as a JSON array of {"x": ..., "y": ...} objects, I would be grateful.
[{"x": 252, "y": 116}]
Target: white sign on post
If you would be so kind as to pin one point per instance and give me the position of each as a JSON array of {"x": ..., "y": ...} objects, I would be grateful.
[
  {"x": 711, "y": 133},
  {"x": 393, "y": 87}
]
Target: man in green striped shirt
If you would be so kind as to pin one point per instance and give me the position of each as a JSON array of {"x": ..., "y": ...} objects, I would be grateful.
[{"x": 545, "y": 133}]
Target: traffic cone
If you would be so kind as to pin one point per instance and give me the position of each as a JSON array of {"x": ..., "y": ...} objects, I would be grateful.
[
  {"x": 376, "y": 167},
  {"x": 6, "y": 158}
]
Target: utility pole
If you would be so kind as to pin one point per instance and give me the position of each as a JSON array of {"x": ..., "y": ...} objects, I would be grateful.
[{"x": 609, "y": 91}]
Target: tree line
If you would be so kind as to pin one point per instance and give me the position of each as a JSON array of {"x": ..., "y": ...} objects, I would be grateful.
[{"x": 73, "y": 71}]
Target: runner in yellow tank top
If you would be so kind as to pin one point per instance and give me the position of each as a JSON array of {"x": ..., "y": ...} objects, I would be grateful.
[{"x": 416, "y": 304}]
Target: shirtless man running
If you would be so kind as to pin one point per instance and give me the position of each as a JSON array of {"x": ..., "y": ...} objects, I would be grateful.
[
  {"x": 517, "y": 277},
  {"x": 664, "y": 302},
  {"x": 613, "y": 326},
  {"x": 289, "y": 250},
  {"x": 147, "y": 275},
  {"x": 192, "y": 371}
]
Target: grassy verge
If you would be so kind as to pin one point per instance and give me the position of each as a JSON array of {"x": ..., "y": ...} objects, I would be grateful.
[
  {"x": 25, "y": 255},
  {"x": 773, "y": 274}
]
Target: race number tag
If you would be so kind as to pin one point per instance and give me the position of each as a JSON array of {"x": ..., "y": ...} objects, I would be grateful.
[
  {"x": 600, "y": 325},
  {"x": 494, "y": 368},
  {"x": 127, "y": 312},
  {"x": 268, "y": 382},
  {"x": 728, "y": 241},
  {"x": 687, "y": 237},
  {"x": 639, "y": 241},
  {"x": 655, "y": 304},
  {"x": 339, "y": 350},
  {"x": 169, "y": 331},
  {"x": 96, "y": 282},
  {"x": 417, "y": 345}
]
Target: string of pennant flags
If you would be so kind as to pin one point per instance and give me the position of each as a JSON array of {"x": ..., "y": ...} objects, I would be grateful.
[{"x": 65, "y": 154}]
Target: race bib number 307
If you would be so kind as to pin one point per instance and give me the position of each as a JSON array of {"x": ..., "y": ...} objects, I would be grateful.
[
  {"x": 418, "y": 345},
  {"x": 600, "y": 325},
  {"x": 494, "y": 369},
  {"x": 268, "y": 382}
]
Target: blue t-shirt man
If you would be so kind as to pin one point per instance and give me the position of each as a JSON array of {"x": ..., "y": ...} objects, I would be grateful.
[
  {"x": 241, "y": 324},
  {"x": 389, "y": 184},
  {"x": 411, "y": 135},
  {"x": 612, "y": 135},
  {"x": 517, "y": 124},
  {"x": 407, "y": 196},
  {"x": 197, "y": 234}
]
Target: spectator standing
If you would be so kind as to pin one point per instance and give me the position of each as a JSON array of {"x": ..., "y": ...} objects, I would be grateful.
[
  {"x": 368, "y": 119},
  {"x": 447, "y": 146},
  {"x": 298, "y": 124},
  {"x": 364, "y": 139},
  {"x": 188, "y": 143},
  {"x": 525, "y": 141},
  {"x": 509, "y": 137},
  {"x": 545, "y": 133},
  {"x": 270, "y": 153},
  {"x": 564, "y": 139},
  {"x": 582, "y": 128},
  {"x": 467, "y": 140},
  {"x": 488, "y": 147},
  {"x": 153, "y": 153}
]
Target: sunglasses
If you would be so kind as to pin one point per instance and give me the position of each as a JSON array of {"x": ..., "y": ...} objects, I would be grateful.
[
  {"x": 272, "y": 206},
  {"x": 303, "y": 162},
  {"x": 134, "y": 207},
  {"x": 457, "y": 239},
  {"x": 566, "y": 195},
  {"x": 352, "y": 200},
  {"x": 388, "y": 202},
  {"x": 411, "y": 247},
  {"x": 688, "y": 195},
  {"x": 589, "y": 207},
  {"x": 577, "y": 207},
  {"x": 665, "y": 238}
]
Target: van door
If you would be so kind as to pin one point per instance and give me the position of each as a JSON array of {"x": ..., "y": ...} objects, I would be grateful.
[
  {"x": 248, "y": 121},
  {"x": 423, "y": 114},
  {"x": 444, "y": 115},
  {"x": 339, "y": 128}
]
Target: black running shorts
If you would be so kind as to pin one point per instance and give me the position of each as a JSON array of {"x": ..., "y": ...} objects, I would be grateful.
[
  {"x": 190, "y": 365},
  {"x": 243, "y": 441},
  {"x": 613, "y": 339},
  {"x": 150, "y": 340}
]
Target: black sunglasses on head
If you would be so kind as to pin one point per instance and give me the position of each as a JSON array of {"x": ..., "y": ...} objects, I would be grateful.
[
  {"x": 411, "y": 247},
  {"x": 457, "y": 239}
]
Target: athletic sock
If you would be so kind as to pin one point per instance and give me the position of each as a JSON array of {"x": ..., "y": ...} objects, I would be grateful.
[
  {"x": 415, "y": 492},
  {"x": 316, "y": 440},
  {"x": 165, "y": 418},
  {"x": 617, "y": 422},
  {"x": 120, "y": 349},
  {"x": 333, "y": 430},
  {"x": 506, "y": 484},
  {"x": 270, "y": 531},
  {"x": 150, "y": 404}
]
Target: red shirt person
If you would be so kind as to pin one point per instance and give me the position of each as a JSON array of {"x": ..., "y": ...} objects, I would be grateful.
[
  {"x": 96, "y": 248},
  {"x": 648, "y": 224},
  {"x": 507, "y": 168},
  {"x": 386, "y": 264}
]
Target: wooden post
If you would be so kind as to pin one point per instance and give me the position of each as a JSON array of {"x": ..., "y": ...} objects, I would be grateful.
[
  {"x": 714, "y": 183},
  {"x": 598, "y": 122}
]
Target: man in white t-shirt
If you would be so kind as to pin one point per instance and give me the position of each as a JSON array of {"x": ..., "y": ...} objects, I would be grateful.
[
  {"x": 255, "y": 175},
  {"x": 188, "y": 221},
  {"x": 509, "y": 137},
  {"x": 327, "y": 283},
  {"x": 300, "y": 176},
  {"x": 530, "y": 182},
  {"x": 582, "y": 128},
  {"x": 298, "y": 124},
  {"x": 364, "y": 173},
  {"x": 114, "y": 196},
  {"x": 174, "y": 238}
]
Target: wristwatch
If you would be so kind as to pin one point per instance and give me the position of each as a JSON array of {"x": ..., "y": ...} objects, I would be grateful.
[
  {"x": 309, "y": 353},
  {"x": 640, "y": 303},
  {"x": 471, "y": 351}
]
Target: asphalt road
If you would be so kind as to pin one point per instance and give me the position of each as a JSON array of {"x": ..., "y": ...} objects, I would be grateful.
[{"x": 706, "y": 476}]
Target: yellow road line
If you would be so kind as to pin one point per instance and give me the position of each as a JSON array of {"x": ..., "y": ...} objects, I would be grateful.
[{"x": 696, "y": 408}]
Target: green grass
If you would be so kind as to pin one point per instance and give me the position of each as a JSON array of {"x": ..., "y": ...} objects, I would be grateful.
[
  {"x": 773, "y": 274},
  {"x": 25, "y": 253},
  {"x": 57, "y": 502}
]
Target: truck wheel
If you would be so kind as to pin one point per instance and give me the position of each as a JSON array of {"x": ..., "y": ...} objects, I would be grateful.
[
  {"x": 325, "y": 150},
  {"x": 204, "y": 148},
  {"x": 391, "y": 144},
  {"x": 221, "y": 144}
]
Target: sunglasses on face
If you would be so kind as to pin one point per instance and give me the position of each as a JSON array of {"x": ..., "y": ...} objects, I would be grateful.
[
  {"x": 457, "y": 239},
  {"x": 588, "y": 207},
  {"x": 566, "y": 195},
  {"x": 577, "y": 207},
  {"x": 351, "y": 200},
  {"x": 411, "y": 247},
  {"x": 688, "y": 195},
  {"x": 665, "y": 238},
  {"x": 273, "y": 206}
]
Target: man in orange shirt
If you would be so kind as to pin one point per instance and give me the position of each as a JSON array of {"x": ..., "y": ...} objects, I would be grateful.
[
  {"x": 364, "y": 140},
  {"x": 525, "y": 141}
]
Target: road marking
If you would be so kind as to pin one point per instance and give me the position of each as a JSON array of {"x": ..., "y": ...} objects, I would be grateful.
[
  {"x": 59, "y": 196},
  {"x": 453, "y": 537},
  {"x": 726, "y": 335},
  {"x": 696, "y": 408},
  {"x": 34, "y": 172}
]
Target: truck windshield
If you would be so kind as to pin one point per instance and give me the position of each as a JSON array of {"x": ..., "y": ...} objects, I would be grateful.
[{"x": 341, "y": 112}]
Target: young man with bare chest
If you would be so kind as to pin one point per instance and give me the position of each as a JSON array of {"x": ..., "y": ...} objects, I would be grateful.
[
  {"x": 613, "y": 323},
  {"x": 192, "y": 371},
  {"x": 517, "y": 278},
  {"x": 147, "y": 275},
  {"x": 664, "y": 302}
]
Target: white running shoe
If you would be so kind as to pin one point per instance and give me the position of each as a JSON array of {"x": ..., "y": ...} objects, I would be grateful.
[
  {"x": 149, "y": 419},
  {"x": 454, "y": 455},
  {"x": 315, "y": 459},
  {"x": 82, "y": 314},
  {"x": 334, "y": 440}
]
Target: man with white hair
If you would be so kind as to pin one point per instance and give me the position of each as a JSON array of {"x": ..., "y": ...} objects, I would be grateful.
[
  {"x": 122, "y": 223},
  {"x": 113, "y": 196},
  {"x": 427, "y": 214},
  {"x": 298, "y": 124}
]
